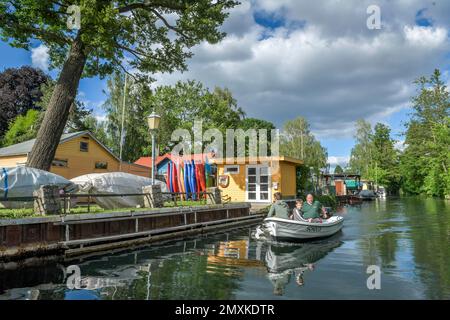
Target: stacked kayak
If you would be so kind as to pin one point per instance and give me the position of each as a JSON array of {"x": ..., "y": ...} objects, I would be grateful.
[{"x": 189, "y": 178}]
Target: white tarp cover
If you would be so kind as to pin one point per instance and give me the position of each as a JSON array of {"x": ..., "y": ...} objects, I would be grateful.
[
  {"x": 115, "y": 183},
  {"x": 22, "y": 181}
]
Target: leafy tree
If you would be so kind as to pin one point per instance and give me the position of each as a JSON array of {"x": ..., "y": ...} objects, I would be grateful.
[
  {"x": 23, "y": 128},
  {"x": 298, "y": 141},
  {"x": 19, "y": 92},
  {"x": 257, "y": 124},
  {"x": 179, "y": 106},
  {"x": 135, "y": 135},
  {"x": 111, "y": 32},
  {"x": 425, "y": 161},
  {"x": 185, "y": 102},
  {"x": 385, "y": 169},
  {"x": 338, "y": 169},
  {"x": 361, "y": 158},
  {"x": 97, "y": 127},
  {"x": 374, "y": 155}
]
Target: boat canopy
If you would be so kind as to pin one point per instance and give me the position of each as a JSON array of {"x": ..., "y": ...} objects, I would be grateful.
[{"x": 351, "y": 184}]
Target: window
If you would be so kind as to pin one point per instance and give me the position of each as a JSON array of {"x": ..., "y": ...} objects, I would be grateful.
[
  {"x": 84, "y": 146},
  {"x": 101, "y": 165},
  {"x": 231, "y": 170},
  {"x": 60, "y": 163}
]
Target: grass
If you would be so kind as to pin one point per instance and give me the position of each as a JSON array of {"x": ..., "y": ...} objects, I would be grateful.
[{"x": 29, "y": 212}]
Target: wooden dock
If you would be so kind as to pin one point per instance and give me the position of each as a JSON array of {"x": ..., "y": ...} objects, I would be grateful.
[{"x": 72, "y": 235}]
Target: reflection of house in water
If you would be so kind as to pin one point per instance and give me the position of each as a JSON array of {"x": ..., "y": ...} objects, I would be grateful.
[{"x": 233, "y": 253}]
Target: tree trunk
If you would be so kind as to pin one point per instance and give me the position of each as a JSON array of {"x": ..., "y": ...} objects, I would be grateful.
[{"x": 57, "y": 112}]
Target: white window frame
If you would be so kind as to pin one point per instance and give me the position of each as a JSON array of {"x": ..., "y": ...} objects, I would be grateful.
[
  {"x": 225, "y": 169},
  {"x": 258, "y": 176}
]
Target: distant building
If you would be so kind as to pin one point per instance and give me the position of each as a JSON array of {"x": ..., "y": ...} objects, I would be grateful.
[
  {"x": 341, "y": 184},
  {"x": 78, "y": 153}
]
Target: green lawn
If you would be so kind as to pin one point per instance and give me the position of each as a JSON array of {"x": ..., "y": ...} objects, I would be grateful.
[{"x": 29, "y": 212}]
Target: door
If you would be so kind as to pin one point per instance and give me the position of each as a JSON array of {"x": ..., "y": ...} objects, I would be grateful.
[{"x": 258, "y": 183}]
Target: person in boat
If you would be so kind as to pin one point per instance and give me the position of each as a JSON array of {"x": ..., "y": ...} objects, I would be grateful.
[
  {"x": 297, "y": 214},
  {"x": 312, "y": 210},
  {"x": 279, "y": 208}
]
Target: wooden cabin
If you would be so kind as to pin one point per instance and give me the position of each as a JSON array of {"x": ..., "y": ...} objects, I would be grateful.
[
  {"x": 77, "y": 154},
  {"x": 257, "y": 179}
]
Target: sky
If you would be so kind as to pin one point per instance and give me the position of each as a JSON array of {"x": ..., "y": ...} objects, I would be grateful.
[{"x": 316, "y": 59}]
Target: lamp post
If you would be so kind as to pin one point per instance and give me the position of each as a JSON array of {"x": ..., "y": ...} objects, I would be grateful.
[{"x": 153, "y": 121}]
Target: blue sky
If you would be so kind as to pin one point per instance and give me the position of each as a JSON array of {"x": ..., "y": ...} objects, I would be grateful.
[{"x": 288, "y": 58}]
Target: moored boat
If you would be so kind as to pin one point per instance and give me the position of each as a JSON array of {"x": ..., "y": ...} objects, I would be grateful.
[
  {"x": 290, "y": 230},
  {"x": 367, "y": 195}
]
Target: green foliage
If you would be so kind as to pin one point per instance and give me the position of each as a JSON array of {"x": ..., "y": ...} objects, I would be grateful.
[
  {"x": 325, "y": 200},
  {"x": 425, "y": 161},
  {"x": 297, "y": 141},
  {"x": 179, "y": 106},
  {"x": 20, "y": 92},
  {"x": 137, "y": 104},
  {"x": 23, "y": 128},
  {"x": 257, "y": 125},
  {"x": 375, "y": 157},
  {"x": 361, "y": 154},
  {"x": 338, "y": 169},
  {"x": 113, "y": 31}
]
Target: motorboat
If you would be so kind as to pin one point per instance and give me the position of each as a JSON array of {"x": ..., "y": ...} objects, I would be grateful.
[
  {"x": 280, "y": 229},
  {"x": 382, "y": 192},
  {"x": 367, "y": 195}
]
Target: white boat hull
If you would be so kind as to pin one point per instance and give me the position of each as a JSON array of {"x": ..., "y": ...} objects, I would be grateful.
[{"x": 290, "y": 230}]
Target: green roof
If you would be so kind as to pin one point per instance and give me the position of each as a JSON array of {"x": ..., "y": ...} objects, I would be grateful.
[{"x": 24, "y": 148}]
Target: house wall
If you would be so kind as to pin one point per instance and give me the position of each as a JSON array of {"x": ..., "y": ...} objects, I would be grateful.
[
  {"x": 12, "y": 161},
  {"x": 236, "y": 187},
  {"x": 288, "y": 177},
  {"x": 80, "y": 162},
  {"x": 284, "y": 175},
  {"x": 136, "y": 169}
]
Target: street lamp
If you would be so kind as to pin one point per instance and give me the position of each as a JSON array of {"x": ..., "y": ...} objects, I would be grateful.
[{"x": 153, "y": 121}]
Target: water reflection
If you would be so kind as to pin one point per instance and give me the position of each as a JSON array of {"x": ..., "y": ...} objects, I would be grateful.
[
  {"x": 286, "y": 260},
  {"x": 408, "y": 238}
]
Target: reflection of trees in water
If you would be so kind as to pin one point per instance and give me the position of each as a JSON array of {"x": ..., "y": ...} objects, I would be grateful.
[
  {"x": 186, "y": 275},
  {"x": 378, "y": 241},
  {"x": 430, "y": 235}
]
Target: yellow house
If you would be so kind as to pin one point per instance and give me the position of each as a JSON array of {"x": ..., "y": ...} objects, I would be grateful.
[
  {"x": 257, "y": 179},
  {"x": 78, "y": 153}
]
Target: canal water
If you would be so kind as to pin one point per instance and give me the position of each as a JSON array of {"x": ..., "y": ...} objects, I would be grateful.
[{"x": 407, "y": 238}]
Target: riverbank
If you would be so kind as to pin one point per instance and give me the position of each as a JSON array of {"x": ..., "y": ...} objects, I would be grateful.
[{"x": 78, "y": 234}]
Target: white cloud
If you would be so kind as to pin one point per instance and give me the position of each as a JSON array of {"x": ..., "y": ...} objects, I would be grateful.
[
  {"x": 400, "y": 145},
  {"x": 331, "y": 70},
  {"x": 342, "y": 161},
  {"x": 40, "y": 57},
  {"x": 426, "y": 36}
]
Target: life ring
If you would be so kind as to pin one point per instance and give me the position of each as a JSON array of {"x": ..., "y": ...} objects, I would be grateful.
[{"x": 223, "y": 180}]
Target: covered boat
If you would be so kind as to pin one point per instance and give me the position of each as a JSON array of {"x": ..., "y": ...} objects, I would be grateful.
[
  {"x": 21, "y": 182},
  {"x": 116, "y": 183},
  {"x": 290, "y": 230}
]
